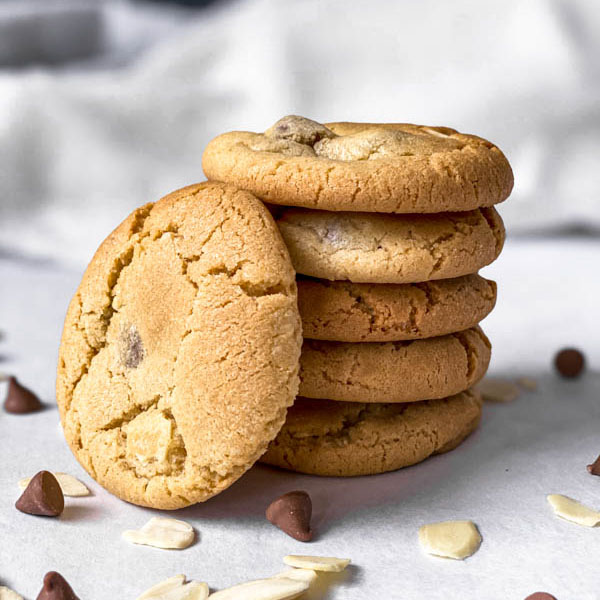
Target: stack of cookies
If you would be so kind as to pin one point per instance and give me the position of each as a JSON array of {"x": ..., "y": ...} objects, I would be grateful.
[
  {"x": 387, "y": 226},
  {"x": 182, "y": 349}
]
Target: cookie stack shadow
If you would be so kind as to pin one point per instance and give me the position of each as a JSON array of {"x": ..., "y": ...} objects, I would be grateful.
[{"x": 387, "y": 227}]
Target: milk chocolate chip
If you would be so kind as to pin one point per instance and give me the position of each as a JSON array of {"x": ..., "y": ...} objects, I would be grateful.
[
  {"x": 594, "y": 468},
  {"x": 540, "y": 596},
  {"x": 56, "y": 587},
  {"x": 569, "y": 362},
  {"x": 20, "y": 400},
  {"x": 291, "y": 513},
  {"x": 42, "y": 496}
]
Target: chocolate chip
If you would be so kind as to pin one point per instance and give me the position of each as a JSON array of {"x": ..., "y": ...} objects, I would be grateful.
[
  {"x": 42, "y": 496},
  {"x": 291, "y": 513},
  {"x": 569, "y": 362},
  {"x": 540, "y": 596},
  {"x": 131, "y": 347},
  {"x": 56, "y": 587},
  {"x": 20, "y": 400},
  {"x": 594, "y": 468}
]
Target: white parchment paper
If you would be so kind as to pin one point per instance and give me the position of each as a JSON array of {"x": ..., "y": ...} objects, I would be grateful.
[{"x": 499, "y": 478}]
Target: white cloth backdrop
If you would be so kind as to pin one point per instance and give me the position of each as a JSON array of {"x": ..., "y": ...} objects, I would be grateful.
[
  {"x": 126, "y": 119},
  {"x": 82, "y": 143}
]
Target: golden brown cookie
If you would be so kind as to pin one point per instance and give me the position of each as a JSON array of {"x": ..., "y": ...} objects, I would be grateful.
[
  {"x": 385, "y": 167},
  {"x": 179, "y": 353},
  {"x": 376, "y": 248},
  {"x": 322, "y": 437},
  {"x": 405, "y": 371},
  {"x": 376, "y": 312}
]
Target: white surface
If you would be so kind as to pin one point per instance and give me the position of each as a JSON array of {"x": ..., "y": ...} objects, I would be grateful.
[
  {"x": 81, "y": 145},
  {"x": 499, "y": 478}
]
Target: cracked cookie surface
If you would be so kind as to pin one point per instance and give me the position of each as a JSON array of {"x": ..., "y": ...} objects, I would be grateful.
[
  {"x": 323, "y": 437},
  {"x": 405, "y": 371},
  {"x": 179, "y": 353},
  {"x": 376, "y": 248},
  {"x": 371, "y": 167},
  {"x": 362, "y": 312}
]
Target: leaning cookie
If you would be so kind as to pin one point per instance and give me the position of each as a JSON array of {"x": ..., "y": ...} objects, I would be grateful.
[
  {"x": 342, "y": 311},
  {"x": 406, "y": 371},
  {"x": 179, "y": 354},
  {"x": 385, "y": 167},
  {"x": 322, "y": 437},
  {"x": 376, "y": 248}
]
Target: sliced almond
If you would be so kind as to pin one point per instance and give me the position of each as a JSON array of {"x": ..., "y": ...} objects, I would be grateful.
[
  {"x": 317, "y": 563},
  {"x": 8, "y": 594},
  {"x": 176, "y": 588},
  {"x": 450, "y": 539},
  {"x": 276, "y": 588},
  {"x": 307, "y": 575},
  {"x": 69, "y": 485},
  {"x": 571, "y": 510},
  {"x": 435, "y": 132},
  {"x": 162, "y": 533},
  {"x": 164, "y": 586},
  {"x": 498, "y": 390},
  {"x": 528, "y": 383}
]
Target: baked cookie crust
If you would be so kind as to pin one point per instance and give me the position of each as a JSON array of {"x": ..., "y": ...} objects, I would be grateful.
[
  {"x": 375, "y": 248},
  {"x": 372, "y": 167},
  {"x": 342, "y": 311},
  {"x": 344, "y": 439},
  {"x": 407, "y": 371}
]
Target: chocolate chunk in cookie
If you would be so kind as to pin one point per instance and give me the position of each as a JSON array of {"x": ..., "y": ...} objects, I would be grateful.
[
  {"x": 131, "y": 347},
  {"x": 300, "y": 130}
]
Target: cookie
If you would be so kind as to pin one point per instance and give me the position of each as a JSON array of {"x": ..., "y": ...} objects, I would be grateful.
[
  {"x": 405, "y": 371},
  {"x": 375, "y": 248},
  {"x": 322, "y": 437},
  {"x": 179, "y": 355},
  {"x": 362, "y": 312},
  {"x": 390, "y": 168}
]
